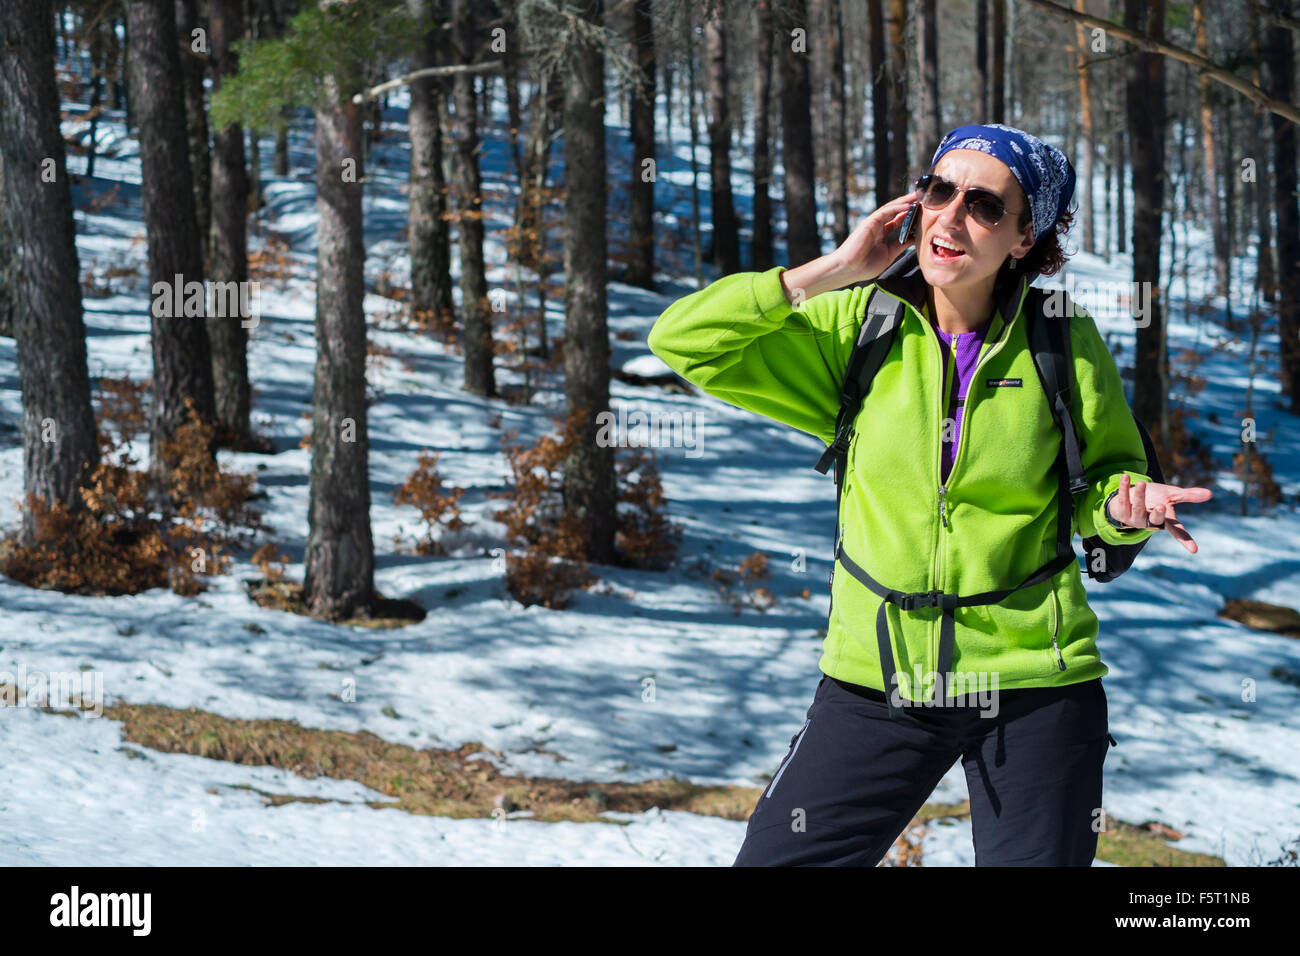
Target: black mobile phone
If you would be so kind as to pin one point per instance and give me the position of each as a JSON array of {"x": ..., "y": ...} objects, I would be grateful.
[{"x": 908, "y": 227}]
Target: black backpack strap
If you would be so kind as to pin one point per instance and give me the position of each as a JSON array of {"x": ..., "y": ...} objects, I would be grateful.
[
  {"x": 881, "y": 318},
  {"x": 1049, "y": 339}
]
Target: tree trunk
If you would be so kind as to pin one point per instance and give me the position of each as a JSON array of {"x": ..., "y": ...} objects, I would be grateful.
[
  {"x": 693, "y": 112},
  {"x": 640, "y": 226},
  {"x": 802, "y": 240},
  {"x": 898, "y": 160},
  {"x": 997, "y": 83},
  {"x": 725, "y": 249},
  {"x": 1280, "y": 69},
  {"x": 340, "y": 557},
  {"x": 981, "y": 61},
  {"x": 1264, "y": 270},
  {"x": 1209, "y": 155},
  {"x": 476, "y": 319},
  {"x": 1085, "y": 102},
  {"x": 1146, "y": 122},
  {"x": 8, "y": 264},
  {"x": 196, "y": 115},
  {"x": 761, "y": 253},
  {"x": 1121, "y": 204},
  {"x": 880, "y": 96},
  {"x": 928, "y": 24},
  {"x": 182, "y": 359},
  {"x": 429, "y": 235},
  {"x": 590, "y": 493},
  {"x": 60, "y": 447},
  {"x": 229, "y": 241},
  {"x": 838, "y": 128}
]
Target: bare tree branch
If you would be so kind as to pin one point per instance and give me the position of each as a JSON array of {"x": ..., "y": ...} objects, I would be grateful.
[
  {"x": 489, "y": 66},
  {"x": 1143, "y": 42}
]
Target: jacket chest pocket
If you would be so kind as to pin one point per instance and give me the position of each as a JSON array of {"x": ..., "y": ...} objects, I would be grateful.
[{"x": 1012, "y": 433}]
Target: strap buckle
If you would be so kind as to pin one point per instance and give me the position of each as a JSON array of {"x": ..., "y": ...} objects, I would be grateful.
[
  {"x": 916, "y": 599},
  {"x": 836, "y": 449}
]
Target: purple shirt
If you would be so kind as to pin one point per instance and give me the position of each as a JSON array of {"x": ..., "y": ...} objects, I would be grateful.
[{"x": 967, "y": 355}]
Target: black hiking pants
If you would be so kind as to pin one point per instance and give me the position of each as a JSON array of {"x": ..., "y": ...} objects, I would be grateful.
[{"x": 853, "y": 779}]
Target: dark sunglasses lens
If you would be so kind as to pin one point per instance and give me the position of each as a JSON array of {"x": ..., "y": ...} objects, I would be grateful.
[
  {"x": 986, "y": 210},
  {"x": 938, "y": 193}
]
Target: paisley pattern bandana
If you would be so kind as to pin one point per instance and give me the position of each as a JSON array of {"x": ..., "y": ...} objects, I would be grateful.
[{"x": 1043, "y": 171}]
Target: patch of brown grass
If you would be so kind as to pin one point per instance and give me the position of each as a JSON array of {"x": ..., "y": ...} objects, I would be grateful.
[
  {"x": 452, "y": 783},
  {"x": 437, "y": 782},
  {"x": 275, "y": 593}
]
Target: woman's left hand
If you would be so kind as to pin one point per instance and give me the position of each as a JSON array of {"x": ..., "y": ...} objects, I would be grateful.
[{"x": 1149, "y": 503}]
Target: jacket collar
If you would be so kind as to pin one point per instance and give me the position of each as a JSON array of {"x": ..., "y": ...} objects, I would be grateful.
[{"x": 904, "y": 280}]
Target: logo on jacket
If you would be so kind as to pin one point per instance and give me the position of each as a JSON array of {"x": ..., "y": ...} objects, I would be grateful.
[{"x": 1003, "y": 383}]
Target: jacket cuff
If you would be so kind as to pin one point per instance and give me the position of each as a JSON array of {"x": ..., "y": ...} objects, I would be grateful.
[{"x": 769, "y": 296}]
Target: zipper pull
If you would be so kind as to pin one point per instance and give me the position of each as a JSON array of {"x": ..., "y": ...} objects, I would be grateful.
[
  {"x": 1059, "y": 659},
  {"x": 943, "y": 505}
]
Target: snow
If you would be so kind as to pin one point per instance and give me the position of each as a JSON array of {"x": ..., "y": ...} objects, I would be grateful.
[{"x": 729, "y": 689}]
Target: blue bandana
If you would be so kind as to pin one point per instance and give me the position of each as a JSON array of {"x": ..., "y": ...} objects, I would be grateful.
[{"x": 1044, "y": 172}]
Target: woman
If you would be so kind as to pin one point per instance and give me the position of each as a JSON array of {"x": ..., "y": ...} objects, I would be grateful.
[{"x": 951, "y": 486}]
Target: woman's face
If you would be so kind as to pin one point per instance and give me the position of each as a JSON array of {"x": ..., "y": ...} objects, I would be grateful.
[{"x": 984, "y": 249}]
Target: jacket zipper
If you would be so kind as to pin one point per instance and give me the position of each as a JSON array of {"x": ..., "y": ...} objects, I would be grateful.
[
  {"x": 942, "y": 496},
  {"x": 1056, "y": 627}
]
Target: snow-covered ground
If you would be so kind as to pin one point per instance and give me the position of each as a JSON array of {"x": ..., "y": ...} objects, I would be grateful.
[{"x": 729, "y": 689}]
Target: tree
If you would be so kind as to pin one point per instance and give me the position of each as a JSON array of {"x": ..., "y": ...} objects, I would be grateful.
[
  {"x": 192, "y": 49},
  {"x": 839, "y": 146},
  {"x": 981, "y": 61},
  {"x": 761, "y": 251},
  {"x": 340, "y": 560},
  {"x": 1264, "y": 271},
  {"x": 1281, "y": 80},
  {"x": 1209, "y": 153},
  {"x": 428, "y": 232},
  {"x": 1089, "y": 137},
  {"x": 641, "y": 235},
  {"x": 880, "y": 104},
  {"x": 997, "y": 83},
  {"x": 476, "y": 317},
  {"x": 182, "y": 359},
  {"x": 229, "y": 239},
  {"x": 590, "y": 492},
  {"x": 7, "y": 266},
  {"x": 928, "y": 29},
  {"x": 1145, "y": 105},
  {"x": 803, "y": 242},
  {"x": 322, "y": 61},
  {"x": 60, "y": 448},
  {"x": 726, "y": 238},
  {"x": 899, "y": 163}
]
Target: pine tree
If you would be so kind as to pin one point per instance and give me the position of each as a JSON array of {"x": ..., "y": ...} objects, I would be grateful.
[
  {"x": 322, "y": 61},
  {"x": 182, "y": 360},
  {"x": 59, "y": 441}
]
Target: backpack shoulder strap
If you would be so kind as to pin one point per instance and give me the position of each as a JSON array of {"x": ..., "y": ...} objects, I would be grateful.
[
  {"x": 1049, "y": 339},
  {"x": 881, "y": 317}
]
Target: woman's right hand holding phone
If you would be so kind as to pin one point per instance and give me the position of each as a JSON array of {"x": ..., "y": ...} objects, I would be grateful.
[{"x": 868, "y": 250}]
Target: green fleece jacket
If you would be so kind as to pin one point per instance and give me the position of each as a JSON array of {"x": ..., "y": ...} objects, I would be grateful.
[{"x": 740, "y": 340}]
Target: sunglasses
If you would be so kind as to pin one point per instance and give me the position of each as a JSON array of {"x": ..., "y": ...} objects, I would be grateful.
[{"x": 986, "y": 208}]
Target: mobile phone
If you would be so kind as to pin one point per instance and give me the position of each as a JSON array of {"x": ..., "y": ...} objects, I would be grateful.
[{"x": 909, "y": 223}]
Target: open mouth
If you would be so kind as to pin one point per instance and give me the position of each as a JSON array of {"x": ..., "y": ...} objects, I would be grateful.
[{"x": 944, "y": 251}]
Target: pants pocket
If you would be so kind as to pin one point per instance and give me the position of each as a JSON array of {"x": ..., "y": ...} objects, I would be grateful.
[{"x": 795, "y": 741}]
